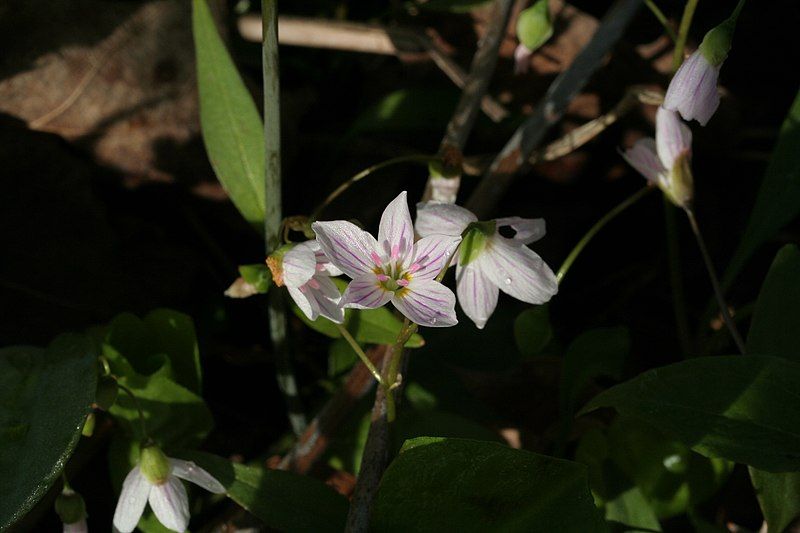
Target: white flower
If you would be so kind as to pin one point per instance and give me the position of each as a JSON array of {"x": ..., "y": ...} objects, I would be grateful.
[
  {"x": 664, "y": 161},
  {"x": 306, "y": 273},
  {"x": 693, "y": 90},
  {"x": 77, "y": 527},
  {"x": 488, "y": 262},
  {"x": 393, "y": 268},
  {"x": 522, "y": 59},
  {"x": 157, "y": 479}
]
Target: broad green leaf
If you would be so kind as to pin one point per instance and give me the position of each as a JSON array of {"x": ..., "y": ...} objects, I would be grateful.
[
  {"x": 432, "y": 423},
  {"x": 341, "y": 357},
  {"x": 745, "y": 409},
  {"x": 163, "y": 343},
  {"x": 453, "y": 6},
  {"x": 466, "y": 485},
  {"x": 232, "y": 129},
  {"x": 257, "y": 275},
  {"x": 631, "y": 509},
  {"x": 374, "y": 326},
  {"x": 532, "y": 330},
  {"x": 282, "y": 500},
  {"x": 45, "y": 396},
  {"x": 778, "y": 200},
  {"x": 774, "y": 328}
]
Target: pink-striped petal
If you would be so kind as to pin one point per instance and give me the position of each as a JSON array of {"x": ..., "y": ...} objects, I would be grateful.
[
  {"x": 191, "y": 472},
  {"x": 76, "y": 527},
  {"x": 427, "y": 303},
  {"x": 518, "y": 271},
  {"x": 299, "y": 265},
  {"x": 132, "y": 500},
  {"x": 430, "y": 255},
  {"x": 348, "y": 247},
  {"x": 324, "y": 264},
  {"x": 170, "y": 504},
  {"x": 673, "y": 137},
  {"x": 643, "y": 157},
  {"x": 327, "y": 298},
  {"x": 366, "y": 292},
  {"x": 693, "y": 90},
  {"x": 442, "y": 219},
  {"x": 396, "y": 231},
  {"x": 477, "y": 295},
  {"x": 528, "y": 230}
]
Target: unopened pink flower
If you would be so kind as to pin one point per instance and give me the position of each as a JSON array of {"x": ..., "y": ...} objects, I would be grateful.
[
  {"x": 693, "y": 90},
  {"x": 522, "y": 59},
  {"x": 488, "y": 262},
  {"x": 306, "y": 273},
  {"x": 392, "y": 268}
]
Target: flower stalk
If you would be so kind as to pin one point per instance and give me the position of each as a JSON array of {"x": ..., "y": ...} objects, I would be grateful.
[
  {"x": 361, "y": 355},
  {"x": 683, "y": 33}
]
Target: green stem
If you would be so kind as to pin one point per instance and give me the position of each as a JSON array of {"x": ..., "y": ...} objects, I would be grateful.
[
  {"x": 129, "y": 392},
  {"x": 390, "y": 379},
  {"x": 683, "y": 33},
  {"x": 357, "y": 348},
  {"x": 276, "y": 310},
  {"x": 675, "y": 278},
  {"x": 425, "y": 159},
  {"x": 608, "y": 217},
  {"x": 662, "y": 19},
  {"x": 723, "y": 306}
]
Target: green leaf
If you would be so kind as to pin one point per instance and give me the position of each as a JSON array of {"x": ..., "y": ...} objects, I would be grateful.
[
  {"x": 341, "y": 357},
  {"x": 282, "y": 500},
  {"x": 631, "y": 509},
  {"x": 778, "y": 200},
  {"x": 466, "y": 485},
  {"x": 257, "y": 275},
  {"x": 532, "y": 330},
  {"x": 745, "y": 409},
  {"x": 173, "y": 334},
  {"x": 232, "y": 129},
  {"x": 432, "y": 423},
  {"x": 778, "y": 495},
  {"x": 45, "y": 396},
  {"x": 374, "y": 326},
  {"x": 534, "y": 25},
  {"x": 774, "y": 328}
]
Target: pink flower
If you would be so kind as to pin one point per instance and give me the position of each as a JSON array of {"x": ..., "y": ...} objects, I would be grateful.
[
  {"x": 488, "y": 262},
  {"x": 693, "y": 90},
  {"x": 306, "y": 273},
  {"x": 394, "y": 267}
]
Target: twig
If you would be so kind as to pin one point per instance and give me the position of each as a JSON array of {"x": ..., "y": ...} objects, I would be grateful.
[
  {"x": 723, "y": 306},
  {"x": 483, "y": 65},
  {"x": 315, "y": 439},
  {"x": 272, "y": 220},
  {"x": 373, "y": 39},
  {"x": 514, "y": 156}
]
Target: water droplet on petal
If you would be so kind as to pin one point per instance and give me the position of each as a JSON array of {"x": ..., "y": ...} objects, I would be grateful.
[
  {"x": 508, "y": 281},
  {"x": 433, "y": 321}
]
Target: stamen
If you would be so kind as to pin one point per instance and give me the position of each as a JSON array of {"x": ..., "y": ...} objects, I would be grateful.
[
  {"x": 382, "y": 277},
  {"x": 413, "y": 268},
  {"x": 395, "y": 251},
  {"x": 314, "y": 284},
  {"x": 320, "y": 267},
  {"x": 402, "y": 282},
  {"x": 375, "y": 257}
]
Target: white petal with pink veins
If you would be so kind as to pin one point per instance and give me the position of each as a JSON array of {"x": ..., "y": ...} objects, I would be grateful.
[
  {"x": 365, "y": 292},
  {"x": 673, "y": 137},
  {"x": 477, "y": 295},
  {"x": 132, "y": 500},
  {"x": 643, "y": 157},
  {"x": 693, "y": 90},
  {"x": 427, "y": 303},
  {"x": 430, "y": 255},
  {"x": 528, "y": 230},
  {"x": 518, "y": 271},
  {"x": 442, "y": 219},
  {"x": 348, "y": 247},
  {"x": 170, "y": 504},
  {"x": 299, "y": 265},
  {"x": 191, "y": 472},
  {"x": 396, "y": 231}
]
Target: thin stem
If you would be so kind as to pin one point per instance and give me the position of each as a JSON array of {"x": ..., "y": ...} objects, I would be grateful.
[
  {"x": 276, "y": 306},
  {"x": 608, "y": 217},
  {"x": 390, "y": 379},
  {"x": 130, "y": 393},
  {"x": 683, "y": 33},
  {"x": 425, "y": 159},
  {"x": 661, "y": 18},
  {"x": 723, "y": 307},
  {"x": 676, "y": 278},
  {"x": 357, "y": 348}
]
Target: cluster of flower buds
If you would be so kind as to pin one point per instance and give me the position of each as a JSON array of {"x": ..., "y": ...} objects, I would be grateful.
[{"x": 397, "y": 268}]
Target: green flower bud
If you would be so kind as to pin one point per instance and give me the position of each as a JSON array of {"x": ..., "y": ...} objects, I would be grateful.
[
  {"x": 534, "y": 25},
  {"x": 107, "y": 391},
  {"x": 88, "y": 425},
  {"x": 154, "y": 464},
  {"x": 473, "y": 241},
  {"x": 70, "y": 507},
  {"x": 717, "y": 42},
  {"x": 681, "y": 183}
]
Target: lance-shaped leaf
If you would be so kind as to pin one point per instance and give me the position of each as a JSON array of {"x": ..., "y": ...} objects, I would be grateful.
[{"x": 232, "y": 129}]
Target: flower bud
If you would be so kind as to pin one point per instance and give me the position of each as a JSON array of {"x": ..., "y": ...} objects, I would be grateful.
[
  {"x": 534, "y": 28},
  {"x": 88, "y": 425},
  {"x": 473, "y": 241},
  {"x": 275, "y": 263},
  {"x": 717, "y": 43},
  {"x": 107, "y": 391},
  {"x": 681, "y": 182},
  {"x": 154, "y": 464},
  {"x": 70, "y": 507}
]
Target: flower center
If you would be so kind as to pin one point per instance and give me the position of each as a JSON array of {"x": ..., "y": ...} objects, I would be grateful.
[{"x": 392, "y": 276}]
